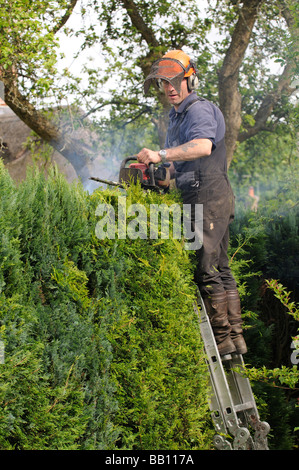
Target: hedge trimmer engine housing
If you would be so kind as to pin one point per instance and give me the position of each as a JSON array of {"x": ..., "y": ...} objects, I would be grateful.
[
  {"x": 148, "y": 176},
  {"x": 132, "y": 172}
]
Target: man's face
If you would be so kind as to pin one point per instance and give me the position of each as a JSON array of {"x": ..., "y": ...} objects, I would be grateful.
[{"x": 173, "y": 96}]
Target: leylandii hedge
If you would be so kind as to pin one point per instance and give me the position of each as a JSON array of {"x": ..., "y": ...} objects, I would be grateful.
[{"x": 102, "y": 347}]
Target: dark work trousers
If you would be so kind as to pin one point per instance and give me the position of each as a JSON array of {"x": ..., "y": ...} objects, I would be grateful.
[{"x": 213, "y": 274}]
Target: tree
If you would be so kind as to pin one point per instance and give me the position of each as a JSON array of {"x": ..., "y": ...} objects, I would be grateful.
[
  {"x": 27, "y": 69},
  {"x": 132, "y": 34},
  {"x": 229, "y": 75}
]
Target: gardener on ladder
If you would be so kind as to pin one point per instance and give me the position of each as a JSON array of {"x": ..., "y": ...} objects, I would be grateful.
[{"x": 196, "y": 149}]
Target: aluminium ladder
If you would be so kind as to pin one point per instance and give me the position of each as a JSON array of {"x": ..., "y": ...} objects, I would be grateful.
[{"x": 232, "y": 404}]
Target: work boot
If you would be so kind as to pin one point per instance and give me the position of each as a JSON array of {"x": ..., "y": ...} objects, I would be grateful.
[
  {"x": 216, "y": 306},
  {"x": 235, "y": 320}
]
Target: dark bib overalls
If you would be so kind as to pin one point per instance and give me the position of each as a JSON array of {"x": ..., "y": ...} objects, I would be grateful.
[{"x": 204, "y": 181}]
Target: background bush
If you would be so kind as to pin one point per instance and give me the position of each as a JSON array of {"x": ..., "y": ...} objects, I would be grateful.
[{"x": 264, "y": 246}]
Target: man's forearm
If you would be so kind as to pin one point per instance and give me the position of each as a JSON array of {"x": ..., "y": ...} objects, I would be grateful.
[{"x": 189, "y": 151}]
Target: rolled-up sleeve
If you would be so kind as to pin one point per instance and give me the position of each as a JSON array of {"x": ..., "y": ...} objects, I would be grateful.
[{"x": 200, "y": 123}]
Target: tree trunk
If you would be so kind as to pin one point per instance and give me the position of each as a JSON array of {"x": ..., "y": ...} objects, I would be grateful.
[
  {"x": 229, "y": 95},
  {"x": 77, "y": 152}
]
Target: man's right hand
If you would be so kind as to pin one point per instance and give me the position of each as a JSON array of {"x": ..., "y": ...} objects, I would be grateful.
[{"x": 148, "y": 156}]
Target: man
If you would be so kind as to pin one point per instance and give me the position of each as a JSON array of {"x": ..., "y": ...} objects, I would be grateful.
[{"x": 195, "y": 148}]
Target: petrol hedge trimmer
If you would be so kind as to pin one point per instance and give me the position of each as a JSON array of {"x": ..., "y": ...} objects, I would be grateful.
[{"x": 148, "y": 176}]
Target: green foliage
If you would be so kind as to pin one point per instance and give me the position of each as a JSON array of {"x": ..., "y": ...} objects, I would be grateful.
[
  {"x": 102, "y": 350},
  {"x": 270, "y": 169},
  {"x": 164, "y": 389},
  {"x": 48, "y": 331},
  {"x": 284, "y": 296},
  {"x": 264, "y": 248},
  {"x": 279, "y": 375},
  {"x": 272, "y": 383},
  {"x": 28, "y": 45}
]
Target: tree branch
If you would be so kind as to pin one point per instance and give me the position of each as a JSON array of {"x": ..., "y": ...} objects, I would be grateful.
[
  {"x": 65, "y": 17},
  {"x": 146, "y": 33},
  {"x": 283, "y": 85},
  {"x": 76, "y": 151},
  {"x": 138, "y": 22},
  {"x": 268, "y": 104}
]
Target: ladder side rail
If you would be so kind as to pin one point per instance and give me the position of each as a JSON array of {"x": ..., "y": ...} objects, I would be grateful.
[
  {"x": 223, "y": 402},
  {"x": 261, "y": 428}
]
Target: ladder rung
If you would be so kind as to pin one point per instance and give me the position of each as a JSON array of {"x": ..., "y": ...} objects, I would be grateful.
[{"x": 244, "y": 406}]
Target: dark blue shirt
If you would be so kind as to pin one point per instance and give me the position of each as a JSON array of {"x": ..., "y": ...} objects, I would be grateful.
[{"x": 198, "y": 118}]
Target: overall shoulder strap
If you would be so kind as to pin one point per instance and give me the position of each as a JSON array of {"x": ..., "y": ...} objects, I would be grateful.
[{"x": 197, "y": 98}]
